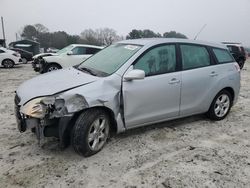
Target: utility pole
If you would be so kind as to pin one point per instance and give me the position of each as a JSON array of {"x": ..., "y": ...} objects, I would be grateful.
[{"x": 3, "y": 31}]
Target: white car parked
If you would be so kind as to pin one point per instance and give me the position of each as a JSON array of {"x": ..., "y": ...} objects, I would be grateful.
[
  {"x": 71, "y": 55},
  {"x": 9, "y": 58}
]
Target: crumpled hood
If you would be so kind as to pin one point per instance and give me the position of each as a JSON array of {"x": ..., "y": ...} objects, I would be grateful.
[{"x": 52, "y": 83}]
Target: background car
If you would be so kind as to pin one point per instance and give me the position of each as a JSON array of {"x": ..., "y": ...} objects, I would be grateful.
[
  {"x": 238, "y": 52},
  {"x": 67, "y": 57},
  {"x": 25, "y": 55},
  {"x": 9, "y": 58}
]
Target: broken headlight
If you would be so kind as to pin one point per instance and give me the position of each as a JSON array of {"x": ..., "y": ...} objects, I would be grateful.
[{"x": 38, "y": 107}]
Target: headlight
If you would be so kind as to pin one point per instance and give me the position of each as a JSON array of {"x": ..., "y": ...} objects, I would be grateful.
[{"x": 37, "y": 108}]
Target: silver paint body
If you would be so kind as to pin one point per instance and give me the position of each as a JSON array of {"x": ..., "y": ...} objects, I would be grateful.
[{"x": 150, "y": 100}]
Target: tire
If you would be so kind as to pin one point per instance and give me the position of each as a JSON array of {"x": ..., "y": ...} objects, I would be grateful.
[
  {"x": 90, "y": 132},
  {"x": 24, "y": 60},
  {"x": 220, "y": 106},
  {"x": 241, "y": 64},
  {"x": 8, "y": 63},
  {"x": 52, "y": 67}
]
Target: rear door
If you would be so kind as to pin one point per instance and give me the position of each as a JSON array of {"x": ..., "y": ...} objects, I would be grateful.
[
  {"x": 157, "y": 96},
  {"x": 199, "y": 76}
]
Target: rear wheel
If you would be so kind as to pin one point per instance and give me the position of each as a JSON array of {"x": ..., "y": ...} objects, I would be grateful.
[
  {"x": 8, "y": 63},
  {"x": 90, "y": 132},
  {"x": 52, "y": 67},
  {"x": 220, "y": 106}
]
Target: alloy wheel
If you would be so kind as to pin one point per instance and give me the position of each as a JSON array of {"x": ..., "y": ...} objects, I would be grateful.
[
  {"x": 52, "y": 68},
  {"x": 222, "y": 105},
  {"x": 98, "y": 133}
]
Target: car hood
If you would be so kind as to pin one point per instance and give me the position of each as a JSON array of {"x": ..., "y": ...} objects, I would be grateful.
[
  {"x": 53, "y": 58},
  {"x": 53, "y": 83},
  {"x": 43, "y": 54}
]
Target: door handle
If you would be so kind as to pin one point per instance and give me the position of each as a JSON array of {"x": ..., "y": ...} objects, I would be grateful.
[
  {"x": 213, "y": 74},
  {"x": 174, "y": 81}
]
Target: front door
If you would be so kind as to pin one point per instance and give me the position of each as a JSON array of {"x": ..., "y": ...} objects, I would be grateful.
[
  {"x": 77, "y": 57},
  {"x": 157, "y": 96}
]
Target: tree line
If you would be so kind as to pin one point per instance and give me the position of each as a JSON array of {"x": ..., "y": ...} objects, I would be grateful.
[{"x": 100, "y": 37}]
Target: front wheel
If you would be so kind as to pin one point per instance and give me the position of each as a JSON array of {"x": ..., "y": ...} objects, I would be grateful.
[
  {"x": 90, "y": 132},
  {"x": 52, "y": 67},
  {"x": 220, "y": 106}
]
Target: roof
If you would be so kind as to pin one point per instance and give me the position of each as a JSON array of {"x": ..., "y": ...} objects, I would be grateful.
[
  {"x": 232, "y": 44},
  {"x": 88, "y": 46},
  {"x": 25, "y": 41},
  {"x": 155, "y": 41}
]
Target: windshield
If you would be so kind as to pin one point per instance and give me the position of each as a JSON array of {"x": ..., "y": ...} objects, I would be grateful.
[
  {"x": 111, "y": 58},
  {"x": 65, "y": 49}
]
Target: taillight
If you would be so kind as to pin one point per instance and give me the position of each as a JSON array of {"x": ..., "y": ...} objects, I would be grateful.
[{"x": 236, "y": 65}]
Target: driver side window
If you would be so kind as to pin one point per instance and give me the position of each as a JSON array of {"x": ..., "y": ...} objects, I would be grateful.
[{"x": 158, "y": 60}]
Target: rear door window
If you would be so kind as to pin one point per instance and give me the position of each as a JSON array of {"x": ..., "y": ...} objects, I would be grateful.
[
  {"x": 222, "y": 55},
  {"x": 194, "y": 56}
]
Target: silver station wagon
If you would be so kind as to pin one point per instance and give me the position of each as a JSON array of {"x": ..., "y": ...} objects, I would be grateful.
[{"x": 129, "y": 84}]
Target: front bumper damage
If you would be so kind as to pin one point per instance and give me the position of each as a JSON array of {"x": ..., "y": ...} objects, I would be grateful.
[{"x": 45, "y": 127}]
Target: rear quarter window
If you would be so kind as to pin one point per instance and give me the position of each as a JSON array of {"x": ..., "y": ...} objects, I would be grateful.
[{"x": 223, "y": 56}]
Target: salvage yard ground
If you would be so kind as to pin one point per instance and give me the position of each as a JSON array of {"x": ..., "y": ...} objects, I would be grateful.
[{"x": 191, "y": 152}]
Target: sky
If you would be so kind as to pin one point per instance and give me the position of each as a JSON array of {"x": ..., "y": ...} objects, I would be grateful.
[{"x": 226, "y": 20}]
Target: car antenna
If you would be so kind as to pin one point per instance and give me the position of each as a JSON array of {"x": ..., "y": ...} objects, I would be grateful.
[{"x": 203, "y": 27}]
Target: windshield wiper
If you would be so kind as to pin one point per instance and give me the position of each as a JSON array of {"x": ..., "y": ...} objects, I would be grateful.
[{"x": 85, "y": 69}]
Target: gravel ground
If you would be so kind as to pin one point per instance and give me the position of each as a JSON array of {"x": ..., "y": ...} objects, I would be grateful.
[{"x": 191, "y": 152}]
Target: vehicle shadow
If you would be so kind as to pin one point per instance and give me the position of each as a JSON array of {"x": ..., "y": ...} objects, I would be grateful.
[
  {"x": 15, "y": 67},
  {"x": 172, "y": 124}
]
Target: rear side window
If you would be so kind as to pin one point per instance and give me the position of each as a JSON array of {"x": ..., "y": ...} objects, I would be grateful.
[
  {"x": 222, "y": 55},
  {"x": 92, "y": 50},
  {"x": 194, "y": 56},
  {"x": 233, "y": 48}
]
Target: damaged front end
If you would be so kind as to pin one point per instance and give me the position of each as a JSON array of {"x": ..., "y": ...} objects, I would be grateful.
[{"x": 49, "y": 116}]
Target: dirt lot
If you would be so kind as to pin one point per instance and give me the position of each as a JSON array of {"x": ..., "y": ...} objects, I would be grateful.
[{"x": 192, "y": 152}]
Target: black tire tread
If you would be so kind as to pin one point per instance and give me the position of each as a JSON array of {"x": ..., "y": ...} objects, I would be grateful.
[
  {"x": 211, "y": 113},
  {"x": 80, "y": 131}
]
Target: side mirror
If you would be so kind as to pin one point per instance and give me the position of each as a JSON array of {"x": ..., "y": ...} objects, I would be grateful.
[
  {"x": 70, "y": 53},
  {"x": 135, "y": 74}
]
